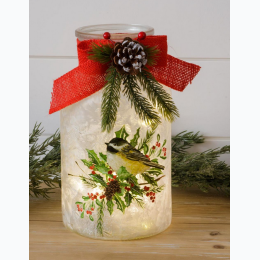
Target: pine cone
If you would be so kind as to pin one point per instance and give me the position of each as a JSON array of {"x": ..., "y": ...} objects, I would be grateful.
[
  {"x": 128, "y": 57},
  {"x": 111, "y": 189}
]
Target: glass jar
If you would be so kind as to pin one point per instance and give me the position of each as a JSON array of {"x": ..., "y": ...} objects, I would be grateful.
[{"x": 136, "y": 212}]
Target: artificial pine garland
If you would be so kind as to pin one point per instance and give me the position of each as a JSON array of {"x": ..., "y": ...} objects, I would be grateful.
[
  {"x": 129, "y": 64},
  {"x": 188, "y": 169}
]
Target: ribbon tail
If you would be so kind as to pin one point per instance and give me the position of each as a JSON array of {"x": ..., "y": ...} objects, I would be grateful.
[
  {"x": 74, "y": 86},
  {"x": 177, "y": 74}
]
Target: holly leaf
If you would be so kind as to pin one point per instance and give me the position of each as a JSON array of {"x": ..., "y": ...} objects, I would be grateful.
[
  {"x": 120, "y": 204},
  {"x": 110, "y": 206},
  {"x": 99, "y": 203},
  {"x": 85, "y": 198},
  {"x": 146, "y": 148},
  {"x": 93, "y": 156},
  {"x": 91, "y": 218},
  {"x": 149, "y": 179},
  {"x": 82, "y": 215},
  {"x": 155, "y": 171},
  {"x": 98, "y": 178},
  {"x": 160, "y": 151},
  {"x": 155, "y": 160},
  {"x": 136, "y": 191},
  {"x": 103, "y": 157},
  {"x": 163, "y": 157},
  {"x": 102, "y": 169},
  {"x": 87, "y": 163},
  {"x": 164, "y": 143},
  {"x": 128, "y": 199},
  {"x": 158, "y": 138},
  {"x": 133, "y": 179},
  {"x": 84, "y": 206},
  {"x": 78, "y": 202},
  {"x": 134, "y": 141},
  {"x": 123, "y": 174},
  {"x": 122, "y": 133}
]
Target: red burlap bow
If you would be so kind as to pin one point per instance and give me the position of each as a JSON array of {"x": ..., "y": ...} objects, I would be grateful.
[{"x": 89, "y": 76}]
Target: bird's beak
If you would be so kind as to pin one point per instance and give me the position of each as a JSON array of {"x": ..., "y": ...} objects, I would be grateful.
[{"x": 107, "y": 143}]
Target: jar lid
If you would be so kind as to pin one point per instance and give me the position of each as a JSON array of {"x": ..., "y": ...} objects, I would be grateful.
[{"x": 117, "y": 31}]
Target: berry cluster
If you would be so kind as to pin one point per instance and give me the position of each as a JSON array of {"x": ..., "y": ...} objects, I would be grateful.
[
  {"x": 147, "y": 156},
  {"x": 164, "y": 150},
  {"x": 79, "y": 208},
  {"x": 151, "y": 195},
  {"x": 128, "y": 189},
  {"x": 93, "y": 196},
  {"x": 89, "y": 212},
  {"x": 113, "y": 177},
  {"x": 158, "y": 144}
]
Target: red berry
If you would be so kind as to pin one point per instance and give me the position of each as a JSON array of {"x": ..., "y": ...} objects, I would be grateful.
[
  {"x": 164, "y": 154},
  {"x": 125, "y": 188},
  {"x": 90, "y": 213},
  {"x": 93, "y": 172},
  {"x": 159, "y": 145},
  {"x": 97, "y": 193},
  {"x": 92, "y": 209},
  {"x": 95, "y": 197},
  {"x": 114, "y": 176},
  {"x": 147, "y": 156},
  {"x": 152, "y": 200},
  {"x": 92, "y": 198},
  {"x": 147, "y": 194},
  {"x": 109, "y": 172},
  {"x": 92, "y": 167},
  {"x": 91, "y": 194},
  {"x": 106, "y": 35},
  {"x": 153, "y": 147},
  {"x": 141, "y": 35},
  {"x": 132, "y": 185}
]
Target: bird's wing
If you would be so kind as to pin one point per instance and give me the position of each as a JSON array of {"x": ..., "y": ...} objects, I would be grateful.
[{"x": 134, "y": 155}]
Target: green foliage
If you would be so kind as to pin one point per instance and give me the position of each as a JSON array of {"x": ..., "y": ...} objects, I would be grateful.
[
  {"x": 100, "y": 53},
  {"x": 201, "y": 169},
  {"x": 120, "y": 203},
  {"x": 100, "y": 211},
  {"x": 110, "y": 99},
  {"x": 121, "y": 133},
  {"x": 44, "y": 163},
  {"x": 158, "y": 96},
  {"x": 152, "y": 55},
  {"x": 135, "y": 139},
  {"x": 142, "y": 106},
  {"x": 123, "y": 174},
  {"x": 110, "y": 206},
  {"x": 184, "y": 140}
]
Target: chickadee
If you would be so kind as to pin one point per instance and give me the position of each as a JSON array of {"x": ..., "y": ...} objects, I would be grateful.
[{"x": 121, "y": 153}]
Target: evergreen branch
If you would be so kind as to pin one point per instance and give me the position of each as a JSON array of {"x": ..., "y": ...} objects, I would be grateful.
[
  {"x": 147, "y": 139},
  {"x": 152, "y": 55},
  {"x": 110, "y": 99},
  {"x": 142, "y": 106},
  {"x": 158, "y": 96},
  {"x": 100, "y": 217},
  {"x": 100, "y": 53},
  {"x": 86, "y": 181},
  {"x": 44, "y": 163},
  {"x": 184, "y": 140}
]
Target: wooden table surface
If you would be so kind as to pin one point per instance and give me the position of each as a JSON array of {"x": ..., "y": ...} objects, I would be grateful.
[{"x": 199, "y": 230}]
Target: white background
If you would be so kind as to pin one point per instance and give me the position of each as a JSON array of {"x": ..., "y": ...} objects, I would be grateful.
[{"x": 198, "y": 32}]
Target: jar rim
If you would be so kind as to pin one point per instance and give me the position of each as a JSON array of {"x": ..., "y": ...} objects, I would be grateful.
[{"x": 117, "y": 31}]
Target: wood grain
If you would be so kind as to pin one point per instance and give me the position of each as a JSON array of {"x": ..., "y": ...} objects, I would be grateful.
[{"x": 199, "y": 230}]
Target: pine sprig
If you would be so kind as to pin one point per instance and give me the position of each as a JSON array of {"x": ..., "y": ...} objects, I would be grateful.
[
  {"x": 158, "y": 96},
  {"x": 142, "y": 106},
  {"x": 44, "y": 163},
  {"x": 184, "y": 140},
  {"x": 110, "y": 99},
  {"x": 152, "y": 55},
  {"x": 100, "y": 53},
  {"x": 101, "y": 205}
]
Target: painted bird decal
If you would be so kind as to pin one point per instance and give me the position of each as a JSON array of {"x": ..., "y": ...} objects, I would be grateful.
[{"x": 121, "y": 153}]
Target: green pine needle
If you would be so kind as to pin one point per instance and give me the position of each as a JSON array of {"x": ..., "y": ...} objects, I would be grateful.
[
  {"x": 158, "y": 96},
  {"x": 110, "y": 99},
  {"x": 152, "y": 55},
  {"x": 100, "y": 53},
  {"x": 142, "y": 106}
]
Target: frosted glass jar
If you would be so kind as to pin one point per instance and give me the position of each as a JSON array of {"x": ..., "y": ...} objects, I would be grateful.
[{"x": 81, "y": 132}]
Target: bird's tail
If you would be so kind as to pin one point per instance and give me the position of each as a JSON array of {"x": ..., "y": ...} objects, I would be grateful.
[{"x": 155, "y": 165}]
